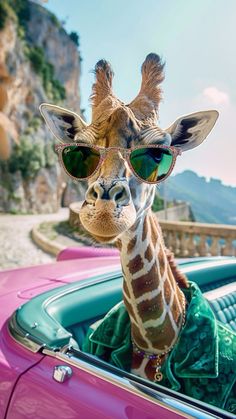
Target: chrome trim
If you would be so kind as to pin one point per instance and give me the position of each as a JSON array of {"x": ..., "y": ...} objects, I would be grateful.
[
  {"x": 24, "y": 339},
  {"x": 155, "y": 396},
  {"x": 62, "y": 373},
  {"x": 88, "y": 283}
]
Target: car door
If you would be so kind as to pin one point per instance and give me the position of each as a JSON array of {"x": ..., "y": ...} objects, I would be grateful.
[{"x": 89, "y": 393}]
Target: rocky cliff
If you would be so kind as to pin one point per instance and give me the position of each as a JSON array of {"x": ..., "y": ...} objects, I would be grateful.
[{"x": 39, "y": 62}]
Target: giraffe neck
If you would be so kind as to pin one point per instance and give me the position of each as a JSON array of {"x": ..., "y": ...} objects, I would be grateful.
[{"x": 152, "y": 297}]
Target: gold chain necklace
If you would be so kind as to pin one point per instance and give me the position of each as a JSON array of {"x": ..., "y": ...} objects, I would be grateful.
[{"x": 158, "y": 374}]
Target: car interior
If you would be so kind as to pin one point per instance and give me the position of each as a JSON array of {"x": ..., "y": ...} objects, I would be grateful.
[{"x": 63, "y": 315}]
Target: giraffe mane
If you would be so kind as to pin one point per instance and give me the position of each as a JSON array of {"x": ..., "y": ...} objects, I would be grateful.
[{"x": 180, "y": 278}]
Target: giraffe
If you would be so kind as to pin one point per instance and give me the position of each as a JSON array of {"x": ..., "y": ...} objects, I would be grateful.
[{"x": 117, "y": 205}]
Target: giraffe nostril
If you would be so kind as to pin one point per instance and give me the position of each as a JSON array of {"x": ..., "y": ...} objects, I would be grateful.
[
  {"x": 119, "y": 195},
  {"x": 95, "y": 195},
  {"x": 94, "y": 192}
]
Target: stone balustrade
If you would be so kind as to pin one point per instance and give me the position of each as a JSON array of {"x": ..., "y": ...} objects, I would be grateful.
[
  {"x": 185, "y": 238},
  {"x": 190, "y": 239}
]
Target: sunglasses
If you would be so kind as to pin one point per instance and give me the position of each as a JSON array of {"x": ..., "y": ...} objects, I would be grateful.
[{"x": 150, "y": 163}]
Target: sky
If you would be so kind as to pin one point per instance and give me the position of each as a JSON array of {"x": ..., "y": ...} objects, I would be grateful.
[{"x": 196, "y": 39}]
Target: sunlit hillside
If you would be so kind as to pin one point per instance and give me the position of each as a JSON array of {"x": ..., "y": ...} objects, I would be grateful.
[{"x": 211, "y": 201}]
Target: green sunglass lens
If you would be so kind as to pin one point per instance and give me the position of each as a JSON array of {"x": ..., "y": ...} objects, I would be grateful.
[
  {"x": 80, "y": 162},
  {"x": 151, "y": 164}
]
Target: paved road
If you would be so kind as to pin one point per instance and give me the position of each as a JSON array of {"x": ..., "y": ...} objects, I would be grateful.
[{"x": 16, "y": 246}]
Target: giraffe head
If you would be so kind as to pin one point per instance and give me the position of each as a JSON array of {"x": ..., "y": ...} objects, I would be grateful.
[{"x": 115, "y": 197}]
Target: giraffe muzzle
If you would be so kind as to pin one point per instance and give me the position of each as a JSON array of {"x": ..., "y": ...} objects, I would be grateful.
[{"x": 108, "y": 210}]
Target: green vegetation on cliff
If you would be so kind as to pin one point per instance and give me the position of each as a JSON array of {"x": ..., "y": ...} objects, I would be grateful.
[
  {"x": 4, "y": 13},
  {"x": 74, "y": 37},
  {"x": 19, "y": 11},
  {"x": 28, "y": 158},
  {"x": 53, "y": 88}
]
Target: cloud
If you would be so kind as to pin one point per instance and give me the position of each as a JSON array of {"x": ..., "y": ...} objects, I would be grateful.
[{"x": 216, "y": 96}]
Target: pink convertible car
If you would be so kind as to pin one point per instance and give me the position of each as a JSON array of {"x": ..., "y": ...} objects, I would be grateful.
[{"x": 45, "y": 312}]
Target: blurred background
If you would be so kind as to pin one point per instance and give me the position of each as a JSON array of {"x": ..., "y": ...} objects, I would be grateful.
[{"x": 47, "y": 52}]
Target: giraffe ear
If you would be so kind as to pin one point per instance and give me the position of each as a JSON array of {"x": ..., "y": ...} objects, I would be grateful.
[
  {"x": 62, "y": 123},
  {"x": 191, "y": 130}
]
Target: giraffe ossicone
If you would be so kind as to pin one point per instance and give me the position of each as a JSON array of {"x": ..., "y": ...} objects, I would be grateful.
[{"x": 117, "y": 206}]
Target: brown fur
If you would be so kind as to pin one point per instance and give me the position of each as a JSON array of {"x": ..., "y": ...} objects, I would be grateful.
[
  {"x": 131, "y": 244},
  {"x": 145, "y": 228},
  {"x": 150, "y": 309},
  {"x": 135, "y": 265},
  {"x": 137, "y": 337},
  {"x": 152, "y": 77},
  {"x": 121, "y": 125},
  {"x": 180, "y": 278},
  {"x": 156, "y": 234},
  {"x": 157, "y": 335},
  {"x": 145, "y": 105},
  {"x": 103, "y": 84},
  {"x": 162, "y": 261},
  {"x": 148, "y": 253},
  {"x": 146, "y": 283},
  {"x": 167, "y": 291}
]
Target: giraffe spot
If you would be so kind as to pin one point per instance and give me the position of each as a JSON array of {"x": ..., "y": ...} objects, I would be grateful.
[
  {"x": 139, "y": 340},
  {"x": 155, "y": 231},
  {"x": 145, "y": 228},
  {"x": 154, "y": 238},
  {"x": 118, "y": 244},
  {"x": 162, "y": 335},
  {"x": 148, "y": 253},
  {"x": 131, "y": 244},
  {"x": 175, "y": 311},
  {"x": 167, "y": 291},
  {"x": 135, "y": 265},
  {"x": 135, "y": 226},
  {"x": 146, "y": 283},
  {"x": 162, "y": 261},
  {"x": 151, "y": 309},
  {"x": 136, "y": 361}
]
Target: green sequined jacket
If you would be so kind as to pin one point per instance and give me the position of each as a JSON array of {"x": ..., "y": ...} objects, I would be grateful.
[{"x": 201, "y": 365}]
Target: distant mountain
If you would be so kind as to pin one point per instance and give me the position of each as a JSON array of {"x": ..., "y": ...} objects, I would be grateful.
[{"x": 211, "y": 201}]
